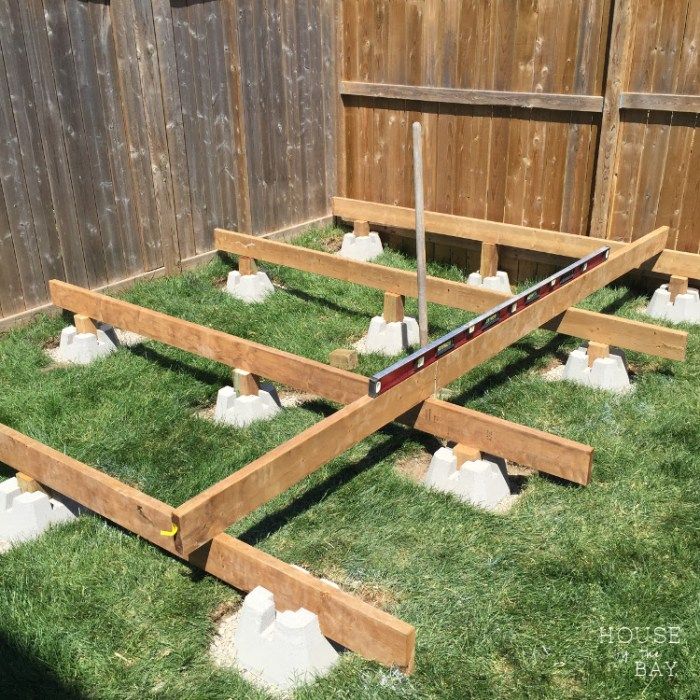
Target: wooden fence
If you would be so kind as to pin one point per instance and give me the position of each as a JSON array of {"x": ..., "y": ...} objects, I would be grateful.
[
  {"x": 558, "y": 114},
  {"x": 130, "y": 129}
]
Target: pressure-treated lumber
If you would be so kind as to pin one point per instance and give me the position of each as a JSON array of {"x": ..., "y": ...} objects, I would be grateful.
[
  {"x": 247, "y": 266},
  {"x": 623, "y": 333},
  {"x": 677, "y": 285},
  {"x": 361, "y": 228},
  {"x": 534, "y": 448},
  {"x": 370, "y": 632},
  {"x": 494, "y": 98},
  {"x": 465, "y": 453},
  {"x": 660, "y": 102},
  {"x": 219, "y": 506},
  {"x": 597, "y": 351},
  {"x": 393, "y": 307},
  {"x": 488, "y": 265},
  {"x": 245, "y": 383},
  {"x": 84, "y": 324},
  {"x": 669, "y": 262}
]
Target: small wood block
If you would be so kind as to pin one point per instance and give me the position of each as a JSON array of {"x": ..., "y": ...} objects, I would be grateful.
[
  {"x": 596, "y": 350},
  {"x": 245, "y": 383},
  {"x": 361, "y": 228},
  {"x": 677, "y": 285},
  {"x": 465, "y": 453},
  {"x": 393, "y": 307},
  {"x": 343, "y": 358},
  {"x": 27, "y": 484},
  {"x": 84, "y": 324},
  {"x": 489, "y": 259},
  {"x": 247, "y": 266}
]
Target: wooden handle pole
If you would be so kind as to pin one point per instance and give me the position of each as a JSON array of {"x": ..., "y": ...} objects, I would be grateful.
[{"x": 420, "y": 232}]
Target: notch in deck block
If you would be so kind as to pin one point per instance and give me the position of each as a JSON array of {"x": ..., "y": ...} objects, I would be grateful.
[
  {"x": 84, "y": 324},
  {"x": 245, "y": 383},
  {"x": 247, "y": 266},
  {"x": 489, "y": 260},
  {"x": 597, "y": 351},
  {"x": 677, "y": 285},
  {"x": 361, "y": 228},
  {"x": 465, "y": 453},
  {"x": 393, "y": 307}
]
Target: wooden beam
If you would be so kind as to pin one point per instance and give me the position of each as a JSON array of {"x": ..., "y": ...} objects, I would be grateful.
[
  {"x": 547, "y": 453},
  {"x": 660, "y": 102},
  {"x": 361, "y": 228},
  {"x": 465, "y": 453},
  {"x": 491, "y": 98},
  {"x": 677, "y": 285},
  {"x": 245, "y": 383},
  {"x": 247, "y": 266},
  {"x": 219, "y": 506},
  {"x": 489, "y": 259},
  {"x": 597, "y": 351},
  {"x": 84, "y": 324},
  {"x": 617, "y": 71},
  {"x": 368, "y": 631},
  {"x": 579, "y": 323},
  {"x": 669, "y": 262},
  {"x": 393, "y": 307},
  {"x": 27, "y": 484}
]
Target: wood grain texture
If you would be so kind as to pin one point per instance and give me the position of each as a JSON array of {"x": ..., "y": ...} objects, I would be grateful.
[
  {"x": 538, "y": 450},
  {"x": 366, "y": 630}
]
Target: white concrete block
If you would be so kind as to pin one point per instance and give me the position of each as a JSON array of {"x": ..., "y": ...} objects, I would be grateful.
[
  {"x": 25, "y": 516},
  {"x": 499, "y": 282},
  {"x": 684, "y": 309},
  {"x": 284, "y": 649},
  {"x": 362, "y": 248},
  {"x": 389, "y": 338},
  {"x": 607, "y": 373},
  {"x": 84, "y": 348},
  {"x": 252, "y": 289},
  {"x": 479, "y": 482},
  {"x": 241, "y": 411}
]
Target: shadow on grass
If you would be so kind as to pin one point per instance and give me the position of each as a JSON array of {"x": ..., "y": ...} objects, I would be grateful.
[{"x": 26, "y": 676}]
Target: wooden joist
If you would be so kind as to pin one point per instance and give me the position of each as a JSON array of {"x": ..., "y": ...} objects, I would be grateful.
[
  {"x": 216, "y": 508},
  {"x": 534, "y": 448},
  {"x": 669, "y": 262},
  {"x": 370, "y": 632},
  {"x": 619, "y": 332}
]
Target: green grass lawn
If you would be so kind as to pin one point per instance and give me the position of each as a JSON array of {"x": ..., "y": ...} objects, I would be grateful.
[{"x": 506, "y": 606}]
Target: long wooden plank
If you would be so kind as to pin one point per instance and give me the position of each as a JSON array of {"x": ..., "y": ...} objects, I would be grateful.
[
  {"x": 533, "y": 448},
  {"x": 631, "y": 335},
  {"x": 219, "y": 506},
  {"x": 427, "y": 93},
  {"x": 670, "y": 262},
  {"x": 370, "y": 632},
  {"x": 660, "y": 102}
]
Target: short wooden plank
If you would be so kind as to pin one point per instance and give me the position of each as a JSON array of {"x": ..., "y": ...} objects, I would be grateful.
[
  {"x": 393, "y": 307},
  {"x": 677, "y": 285},
  {"x": 670, "y": 262},
  {"x": 597, "y": 351},
  {"x": 426, "y": 93},
  {"x": 366, "y": 630},
  {"x": 489, "y": 260},
  {"x": 524, "y": 445},
  {"x": 216, "y": 508},
  {"x": 580, "y": 323},
  {"x": 660, "y": 102}
]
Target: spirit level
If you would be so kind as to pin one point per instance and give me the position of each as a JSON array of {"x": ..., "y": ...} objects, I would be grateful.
[{"x": 425, "y": 356}]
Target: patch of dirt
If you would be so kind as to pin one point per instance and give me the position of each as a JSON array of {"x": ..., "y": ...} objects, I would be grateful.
[
  {"x": 333, "y": 243},
  {"x": 414, "y": 467},
  {"x": 228, "y": 607}
]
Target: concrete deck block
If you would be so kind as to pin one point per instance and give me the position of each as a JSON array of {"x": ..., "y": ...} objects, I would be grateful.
[
  {"x": 25, "y": 516},
  {"x": 363, "y": 248},
  {"x": 390, "y": 338},
  {"x": 480, "y": 482},
  {"x": 252, "y": 289},
  {"x": 284, "y": 649},
  {"x": 241, "y": 411},
  {"x": 684, "y": 309},
  {"x": 608, "y": 373},
  {"x": 84, "y": 348},
  {"x": 499, "y": 282}
]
